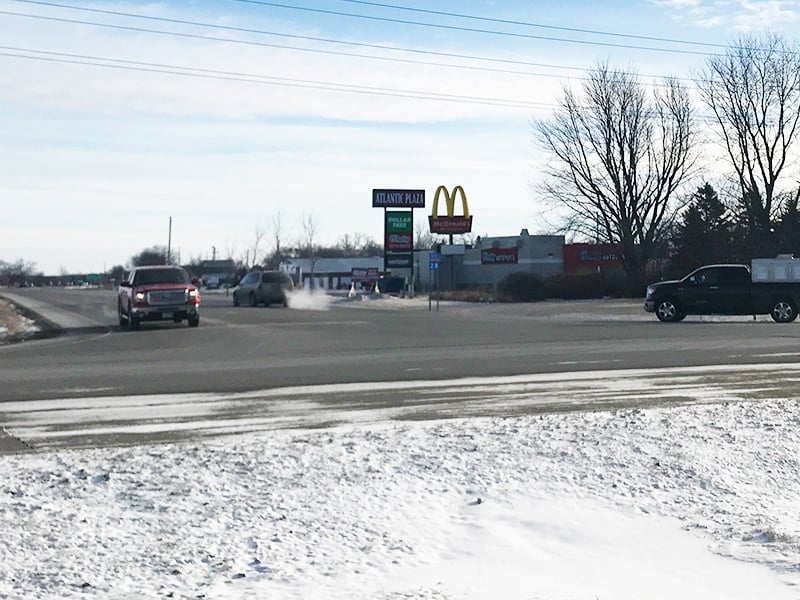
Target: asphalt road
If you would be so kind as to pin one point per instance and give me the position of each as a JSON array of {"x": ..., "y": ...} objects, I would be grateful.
[{"x": 393, "y": 347}]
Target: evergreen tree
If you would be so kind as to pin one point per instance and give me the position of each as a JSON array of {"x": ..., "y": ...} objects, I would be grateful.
[
  {"x": 157, "y": 255},
  {"x": 787, "y": 229},
  {"x": 704, "y": 234}
]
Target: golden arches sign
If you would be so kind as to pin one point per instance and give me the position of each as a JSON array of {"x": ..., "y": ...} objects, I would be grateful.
[{"x": 450, "y": 223}]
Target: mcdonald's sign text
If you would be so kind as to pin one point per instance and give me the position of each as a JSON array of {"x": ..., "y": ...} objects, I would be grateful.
[{"x": 450, "y": 222}]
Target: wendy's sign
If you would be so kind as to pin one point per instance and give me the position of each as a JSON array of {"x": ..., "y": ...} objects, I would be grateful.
[{"x": 500, "y": 256}]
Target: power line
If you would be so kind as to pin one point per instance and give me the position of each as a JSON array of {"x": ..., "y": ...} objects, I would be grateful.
[
  {"x": 129, "y": 65},
  {"x": 294, "y": 48},
  {"x": 537, "y": 25},
  {"x": 273, "y": 80},
  {"x": 303, "y": 37},
  {"x": 288, "y": 47},
  {"x": 466, "y": 29},
  {"x": 213, "y": 74}
]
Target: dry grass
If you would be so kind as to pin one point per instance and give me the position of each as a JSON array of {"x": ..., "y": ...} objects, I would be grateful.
[
  {"x": 471, "y": 295},
  {"x": 12, "y": 323}
]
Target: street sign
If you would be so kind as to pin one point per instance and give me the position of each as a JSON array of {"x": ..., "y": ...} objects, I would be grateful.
[
  {"x": 433, "y": 265},
  {"x": 398, "y": 260},
  {"x": 434, "y": 256}
]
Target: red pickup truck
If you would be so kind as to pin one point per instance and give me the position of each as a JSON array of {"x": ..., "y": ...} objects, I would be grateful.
[{"x": 158, "y": 293}]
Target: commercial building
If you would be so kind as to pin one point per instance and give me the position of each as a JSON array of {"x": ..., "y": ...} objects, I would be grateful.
[
  {"x": 333, "y": 273},
  {"x": 490, "y": 260}
]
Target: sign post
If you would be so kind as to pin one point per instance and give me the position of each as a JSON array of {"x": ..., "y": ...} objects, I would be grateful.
[{"x": 433, "y": 265}]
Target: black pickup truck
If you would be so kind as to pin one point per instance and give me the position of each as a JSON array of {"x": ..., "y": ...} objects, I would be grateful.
[{"x": 770, "y": 287}]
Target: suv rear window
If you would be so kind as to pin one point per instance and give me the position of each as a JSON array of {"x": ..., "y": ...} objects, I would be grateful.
[{"x": 276, "y": 277}]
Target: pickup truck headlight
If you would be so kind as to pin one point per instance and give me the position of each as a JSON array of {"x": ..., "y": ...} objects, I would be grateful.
[{"x": 140, "y": 296}]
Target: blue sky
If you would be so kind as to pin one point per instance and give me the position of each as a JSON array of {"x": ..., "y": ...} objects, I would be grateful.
[{"x": 95, "y": 160}]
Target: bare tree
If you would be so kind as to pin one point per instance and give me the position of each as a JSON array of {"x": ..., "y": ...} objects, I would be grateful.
[
  {"x": 348, "y": 244},
  {"x": 309, "y": 233},
  {"x": 423, "y": 238},
  {"x": 754, "y": 93},
  {"x": 16, "y": 272},
  {"x": 230, "y": 248},
  {"x": 618, "y": 157},
  {"x": 258, "y": 235},
  {"x": 274, "y": 259},
  {"x": 277, "y": 231}
]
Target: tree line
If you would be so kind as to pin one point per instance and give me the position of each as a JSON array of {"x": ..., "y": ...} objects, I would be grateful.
[{"x": 620, "y": 157}]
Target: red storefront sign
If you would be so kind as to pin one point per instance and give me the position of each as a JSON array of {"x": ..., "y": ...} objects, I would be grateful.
[
  {"x": 584, "y": 258},
  {"x": 362, "y": 275},
  {"x": 500, "y": 256},
  {"x": 399, "y": 241}
]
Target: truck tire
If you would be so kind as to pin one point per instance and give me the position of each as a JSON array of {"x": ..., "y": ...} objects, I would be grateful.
[
  {"x": 783, "y": 311},
  {"x": 253, "y": 299},
  {"x": 133, "y": 322},
  {"x": 121, "y": 316},
  {"x": 235, "y": 299},
  {"x": 668, "y": 311},
  {"x": 194, "y": 321}
]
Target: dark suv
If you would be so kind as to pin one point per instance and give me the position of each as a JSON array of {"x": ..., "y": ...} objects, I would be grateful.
[{"x": 263, "y": 287}]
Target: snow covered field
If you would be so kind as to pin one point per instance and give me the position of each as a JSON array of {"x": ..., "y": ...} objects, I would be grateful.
[{"x": 694, "y": 502}]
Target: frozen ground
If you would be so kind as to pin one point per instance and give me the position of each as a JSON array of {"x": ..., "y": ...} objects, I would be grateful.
[
  {"x": 13, "y": 324},
  {"x": 693, "y": 502},
  {"x": 681, "y": 503}
]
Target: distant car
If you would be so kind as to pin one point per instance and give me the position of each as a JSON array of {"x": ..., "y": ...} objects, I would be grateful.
[
  {"x": 263, "y": 287},
  {"x": 158, "y": 293}
]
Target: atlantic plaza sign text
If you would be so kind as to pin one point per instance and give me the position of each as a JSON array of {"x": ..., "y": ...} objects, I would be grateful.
[{"x": 398, "y": 198}]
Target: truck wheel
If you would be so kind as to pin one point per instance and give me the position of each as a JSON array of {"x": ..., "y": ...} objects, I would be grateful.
[
  {"x": 783, "y": 311},
  {"x": 120, "y": 315},
  {"x": 133, "y": 322},
  {"x": 235, "y": 299},
  {"x": 668, "y": 311},
  {"x": 194, "y": 321},
  {"x": 253, "y": 301}
]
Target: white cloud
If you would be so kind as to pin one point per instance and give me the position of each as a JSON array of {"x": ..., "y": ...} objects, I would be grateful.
[{"x": 737, "y": 15}]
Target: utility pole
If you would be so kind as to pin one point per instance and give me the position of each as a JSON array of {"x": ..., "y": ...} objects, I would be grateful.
[{"x": 169, "y": 243}]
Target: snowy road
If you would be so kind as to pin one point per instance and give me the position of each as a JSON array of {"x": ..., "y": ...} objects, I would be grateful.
[{"x": 98, "y": 421}]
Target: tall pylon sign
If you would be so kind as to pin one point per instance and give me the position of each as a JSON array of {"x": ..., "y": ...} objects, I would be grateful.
[{"x": 398, "y": 225}]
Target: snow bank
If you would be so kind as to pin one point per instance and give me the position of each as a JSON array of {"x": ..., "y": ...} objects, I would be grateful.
[{"x": 688, "y": 502}]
